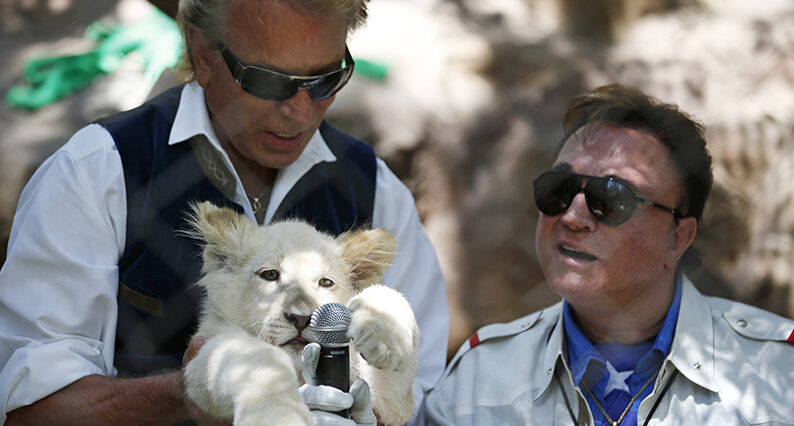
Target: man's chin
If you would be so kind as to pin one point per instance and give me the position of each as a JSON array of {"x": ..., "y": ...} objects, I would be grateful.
[
  {"x": 570, "y": 286},
  {"x": 278, "y": 160}
]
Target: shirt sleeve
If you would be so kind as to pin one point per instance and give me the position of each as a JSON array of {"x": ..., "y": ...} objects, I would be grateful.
[
  {"x": 59, "y": 282},
  {"x": 416, "y": 273}
]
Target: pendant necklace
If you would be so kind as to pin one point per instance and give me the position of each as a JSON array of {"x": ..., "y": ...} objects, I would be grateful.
[
  {"x": 626, "y": 410},
  {"x": 258, "y": 204}
]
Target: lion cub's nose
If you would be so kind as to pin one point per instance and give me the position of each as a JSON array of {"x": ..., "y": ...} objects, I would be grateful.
[{"x": 299, "y": 321}]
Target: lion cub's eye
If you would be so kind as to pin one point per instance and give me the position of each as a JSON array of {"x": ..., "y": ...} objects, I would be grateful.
[
  {"x": 269, "y": 274},
  {"x": 325, "y": 282}
]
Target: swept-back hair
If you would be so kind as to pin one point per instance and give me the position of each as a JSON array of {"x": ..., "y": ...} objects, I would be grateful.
[
  {"x": 209, "y": 17},
  {"x": 681, "y": 134}
]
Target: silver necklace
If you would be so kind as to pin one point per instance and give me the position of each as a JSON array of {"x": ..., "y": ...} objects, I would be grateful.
[{"x": 258, "y": 204}]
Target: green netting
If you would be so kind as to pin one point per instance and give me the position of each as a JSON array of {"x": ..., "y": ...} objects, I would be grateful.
[
  {"x": 373, "y": 70},
  {"x": 48, "y": 79}
]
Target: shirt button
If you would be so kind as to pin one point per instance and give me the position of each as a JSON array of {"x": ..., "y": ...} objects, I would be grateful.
[
  {"x": 697, "y": 365},
  {"x": 548, "y": 371},
  {"x": 741, "y": 323}
]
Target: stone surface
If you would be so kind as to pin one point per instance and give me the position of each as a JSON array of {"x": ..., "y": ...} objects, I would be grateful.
[{"x": 470, "y": 113}]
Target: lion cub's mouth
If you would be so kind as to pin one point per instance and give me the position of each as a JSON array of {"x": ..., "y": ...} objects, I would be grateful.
[{"x": 298, "y": 341}]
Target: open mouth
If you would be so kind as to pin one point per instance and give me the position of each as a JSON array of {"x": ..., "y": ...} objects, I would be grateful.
[
  {"x": 286, "y": 135},
  {"x": 285, "y": 142},
  {"x": 570, "y": 252}
]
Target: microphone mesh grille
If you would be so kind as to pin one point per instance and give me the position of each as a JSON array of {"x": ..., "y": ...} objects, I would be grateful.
[{"x": 329, "y": 323}]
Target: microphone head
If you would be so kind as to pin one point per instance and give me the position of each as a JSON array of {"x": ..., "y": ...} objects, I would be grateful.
[{"x": 329, "y": 324}]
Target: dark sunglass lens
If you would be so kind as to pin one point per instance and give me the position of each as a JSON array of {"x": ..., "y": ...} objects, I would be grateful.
[
  {"x": 330, "y": 84},
  {"x": 271, "y": 87},
  {"x": 611, "y": 202},
  {"x": 554, "y": 192}
]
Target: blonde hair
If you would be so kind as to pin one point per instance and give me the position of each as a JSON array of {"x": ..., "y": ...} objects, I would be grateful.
[{"x": 209, "y": 17}]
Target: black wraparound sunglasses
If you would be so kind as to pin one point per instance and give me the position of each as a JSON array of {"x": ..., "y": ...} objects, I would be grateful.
[
  {"x": 610, "y": 201},
  {"x": 275, "y": 86}
]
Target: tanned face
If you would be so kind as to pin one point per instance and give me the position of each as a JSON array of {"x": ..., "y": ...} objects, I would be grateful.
[
  {"x": 608, "y": 268},
  {"x": 270, "y": 34}
]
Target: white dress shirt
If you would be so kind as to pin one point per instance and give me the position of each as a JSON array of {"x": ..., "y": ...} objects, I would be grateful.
[{"x": 58, "y": 287}]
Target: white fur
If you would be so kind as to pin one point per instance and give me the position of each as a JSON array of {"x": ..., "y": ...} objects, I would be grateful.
[{"x": 247, "y": 371}]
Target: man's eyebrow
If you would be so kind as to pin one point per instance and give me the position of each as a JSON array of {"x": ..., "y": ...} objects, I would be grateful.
[
  {"x": 323, "y": 69},
  {"x": 329, "y": 67},
  {"x": 562, "y": 167},
  {"x": 334, "y": 65}
]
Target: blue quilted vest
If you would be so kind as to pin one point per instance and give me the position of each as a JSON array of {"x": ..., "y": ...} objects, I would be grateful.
[{"x": 157, "y": 303}]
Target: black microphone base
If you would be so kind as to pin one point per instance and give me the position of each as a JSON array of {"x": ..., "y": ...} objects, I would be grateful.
[{"x": 333, "y": 369}]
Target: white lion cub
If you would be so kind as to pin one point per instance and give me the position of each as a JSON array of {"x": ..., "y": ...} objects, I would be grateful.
[{"x": 262, "y": 285}]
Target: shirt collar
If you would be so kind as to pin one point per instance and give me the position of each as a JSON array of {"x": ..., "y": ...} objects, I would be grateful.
[
  {"x": 692, "y": 351},
  {"x": 192, "y": 119},
  {"x": 664, "y": 340},
  {"x": 581, "y": 352},
  {"x": 316, "y": 151},
  {"x": 552, "y": 352}
]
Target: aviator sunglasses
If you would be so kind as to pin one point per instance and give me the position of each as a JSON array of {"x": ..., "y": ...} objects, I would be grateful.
[
  {"x": 610, "y": 201},
  {"x": 275, "y": 86}
]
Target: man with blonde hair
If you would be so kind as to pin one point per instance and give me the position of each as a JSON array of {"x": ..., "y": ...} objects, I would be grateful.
[{"x": 96, "y": 296}]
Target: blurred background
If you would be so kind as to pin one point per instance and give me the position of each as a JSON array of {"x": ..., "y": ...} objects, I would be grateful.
[{"x": 464, "y": 100}]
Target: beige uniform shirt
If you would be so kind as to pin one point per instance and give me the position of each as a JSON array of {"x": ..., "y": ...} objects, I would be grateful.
[{"x": 730, "y": 364}]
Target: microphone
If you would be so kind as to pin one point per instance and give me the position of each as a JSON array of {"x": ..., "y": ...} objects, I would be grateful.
[{"x": 329, "y": 325}]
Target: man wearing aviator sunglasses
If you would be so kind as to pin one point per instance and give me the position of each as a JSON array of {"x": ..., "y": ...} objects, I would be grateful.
[
  {"x": 609, "y": 200},
  {"x": 633, "y": 342},
  {"x": 105, "y": 290}
]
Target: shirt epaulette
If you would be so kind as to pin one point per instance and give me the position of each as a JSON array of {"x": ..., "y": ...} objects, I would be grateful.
[
  {"x": 493, "y": 331},
  {"x": 755, "y": 323}
]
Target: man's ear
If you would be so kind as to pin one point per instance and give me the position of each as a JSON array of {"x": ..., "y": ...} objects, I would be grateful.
[
  {"x": 683, "y": 236},
  {"x": 201, "y": 54},
  {"x": 223, "y": 231},
  {"x": 369, "y": 252}
]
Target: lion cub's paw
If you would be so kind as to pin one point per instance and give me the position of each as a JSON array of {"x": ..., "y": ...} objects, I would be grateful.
[{"x": 383, "y": 328}]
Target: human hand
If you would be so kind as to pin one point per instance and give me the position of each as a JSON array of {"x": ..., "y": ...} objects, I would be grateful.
[
  {"x": 324, "y": 401},
  {"x": 195, "y": 413}
]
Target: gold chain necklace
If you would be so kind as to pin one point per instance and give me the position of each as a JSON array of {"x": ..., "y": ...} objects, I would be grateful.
[{"x": 623, "y": 414}]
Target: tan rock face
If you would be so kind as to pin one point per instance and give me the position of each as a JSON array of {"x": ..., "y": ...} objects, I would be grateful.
[
  {"x": 729, "y": 66},
  {"x": 471, "y": 112}
]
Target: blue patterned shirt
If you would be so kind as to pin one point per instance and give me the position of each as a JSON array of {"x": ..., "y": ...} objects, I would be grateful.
[{"x": 613, "y": 372}]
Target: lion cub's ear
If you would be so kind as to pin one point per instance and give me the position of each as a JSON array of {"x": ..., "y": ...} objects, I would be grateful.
[
  {"x": 369, "y": 252},
  {"x": 223, "y": 230}
]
